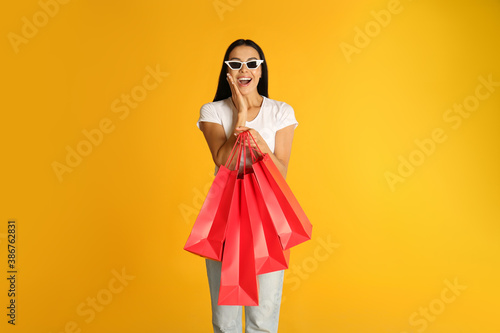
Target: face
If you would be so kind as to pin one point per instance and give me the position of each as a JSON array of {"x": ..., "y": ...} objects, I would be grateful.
[{"x": 246, "y": 79}]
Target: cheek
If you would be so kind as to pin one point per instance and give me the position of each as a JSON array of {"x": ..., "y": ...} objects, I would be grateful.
[{"x": 257, "y": 75}]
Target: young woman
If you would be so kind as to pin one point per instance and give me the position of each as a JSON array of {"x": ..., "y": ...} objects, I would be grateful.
[{"x": 242, "y": 103}]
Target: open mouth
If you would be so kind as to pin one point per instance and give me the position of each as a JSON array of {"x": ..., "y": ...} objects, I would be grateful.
[{"x": 244, "y": 81}]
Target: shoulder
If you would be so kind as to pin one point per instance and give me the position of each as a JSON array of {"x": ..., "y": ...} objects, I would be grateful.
[
  {"x": 219, "y": 112},
  {"x": 279, "y": 109},
  {"x": 281, "y": 113},
  {"x": 278, "y": 105},
  {"x": 222, "y": 105}
]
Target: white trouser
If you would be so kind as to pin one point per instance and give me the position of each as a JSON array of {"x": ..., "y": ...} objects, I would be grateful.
[{"x": 262, "y": 318}]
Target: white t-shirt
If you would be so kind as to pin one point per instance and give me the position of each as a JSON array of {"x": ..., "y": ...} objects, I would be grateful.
[{"x": 272, "y": 117}]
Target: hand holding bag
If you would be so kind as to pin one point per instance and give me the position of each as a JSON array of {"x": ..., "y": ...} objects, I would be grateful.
[{"x": 239, "y": 284}]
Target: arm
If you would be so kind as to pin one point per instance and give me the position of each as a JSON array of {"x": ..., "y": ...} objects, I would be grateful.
[
  {"x": 283, "y": 148},
  {"x": 220, "y": 146}
]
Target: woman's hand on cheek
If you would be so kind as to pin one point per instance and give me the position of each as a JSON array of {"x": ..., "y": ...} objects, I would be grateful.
[{"x": 238, "y": 99}]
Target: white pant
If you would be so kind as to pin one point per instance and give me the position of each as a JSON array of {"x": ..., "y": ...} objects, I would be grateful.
[{"x": 262, "y": 318}]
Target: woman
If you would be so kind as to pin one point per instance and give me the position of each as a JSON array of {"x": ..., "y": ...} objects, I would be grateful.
[{"x": 242, "y": 104}]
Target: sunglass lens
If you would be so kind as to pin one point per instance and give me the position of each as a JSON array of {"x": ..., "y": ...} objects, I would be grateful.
[
  {"x": 252, "y": 64},
  {"x": 234, "y": 65}
]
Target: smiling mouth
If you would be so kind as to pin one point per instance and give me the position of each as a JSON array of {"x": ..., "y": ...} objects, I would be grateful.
[{"x": 244, "y": 81}]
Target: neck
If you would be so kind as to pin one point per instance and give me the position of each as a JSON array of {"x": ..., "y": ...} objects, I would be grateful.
[{"x": 253, "y": 100}]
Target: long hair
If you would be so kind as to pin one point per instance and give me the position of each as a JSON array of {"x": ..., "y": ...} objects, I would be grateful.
[{"x": 223, "y": 89}]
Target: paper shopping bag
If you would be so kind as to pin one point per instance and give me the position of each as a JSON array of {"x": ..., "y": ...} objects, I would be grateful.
[
  {"x": 298, "y": 229},
  {"x": 207, "y": 236},
  {"x": 291, "y": 223},
  {"x": 238, "y": 283},
  {"x": 269, "y": 255},
  {"x": 208, "y": 232}
]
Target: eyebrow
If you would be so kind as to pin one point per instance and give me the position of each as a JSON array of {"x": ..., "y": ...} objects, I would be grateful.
[{"x": 240, "y": 59}]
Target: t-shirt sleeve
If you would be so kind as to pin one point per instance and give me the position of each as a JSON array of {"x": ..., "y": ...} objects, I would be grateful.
[
  {"x": 208, "y": 114},
  {"x": 286, "y": 117}
]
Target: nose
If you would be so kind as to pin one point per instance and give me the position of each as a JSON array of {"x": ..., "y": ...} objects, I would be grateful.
[{"x": 244, "y": 68}]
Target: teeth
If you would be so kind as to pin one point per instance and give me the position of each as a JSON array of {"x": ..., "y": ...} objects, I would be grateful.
[{"x": 245, "y": 79}]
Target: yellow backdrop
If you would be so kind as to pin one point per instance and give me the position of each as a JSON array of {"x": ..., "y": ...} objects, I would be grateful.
[{"x": 395, "y": 161}]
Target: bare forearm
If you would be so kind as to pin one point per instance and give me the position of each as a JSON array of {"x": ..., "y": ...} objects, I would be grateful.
[
  {"x": 279, "y": 164},
  {"x": 225, "y": 150}
]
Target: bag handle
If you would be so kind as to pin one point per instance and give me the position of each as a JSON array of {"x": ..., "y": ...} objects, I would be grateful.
[
  {"x": 232, "y": 153},
  {"x": 245, "y": 136},
  {"x": 253, "y": 139},
  {"x": 254, "y": 157},
  {"x": 240, "y": 148},
  {"x": 237, "y": 150}
]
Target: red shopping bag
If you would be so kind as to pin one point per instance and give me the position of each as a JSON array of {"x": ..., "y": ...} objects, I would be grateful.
[
  {"x": 238, "y": 284},
  {"x": 291, "y": 223},
  {"x": 269, "y": 255},
  {"x": 208, "y": 232}
]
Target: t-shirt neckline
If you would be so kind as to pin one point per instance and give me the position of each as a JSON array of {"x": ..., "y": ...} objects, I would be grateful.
[{"x": 260, "y": 110}]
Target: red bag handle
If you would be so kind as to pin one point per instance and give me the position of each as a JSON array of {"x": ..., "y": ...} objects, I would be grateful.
[
  {"x": 260, "y": 151},
  {"x": 245, "y": 136},
  {"x": 244, "y": 141},
  {"x": 240, "y": 148},
  {"x": 254, "y": 158},
  {"x": 236, "y": 151},
  {"x": 232, "y": 153}
]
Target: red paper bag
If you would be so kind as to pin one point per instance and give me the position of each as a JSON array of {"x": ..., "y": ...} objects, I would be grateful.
[
  {"x": 207, "y": 236},
  {"x": 269, "y": 255},
  {"x": 208, "y": 232},
  {"x": 238, "y": 284},
  {"x": 291, "y": 223}
]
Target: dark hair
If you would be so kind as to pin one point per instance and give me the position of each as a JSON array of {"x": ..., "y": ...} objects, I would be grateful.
[{"x": 223, "y": 89}]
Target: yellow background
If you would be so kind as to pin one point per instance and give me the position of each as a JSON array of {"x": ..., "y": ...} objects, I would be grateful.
[{"x": 130, "y": 204}]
